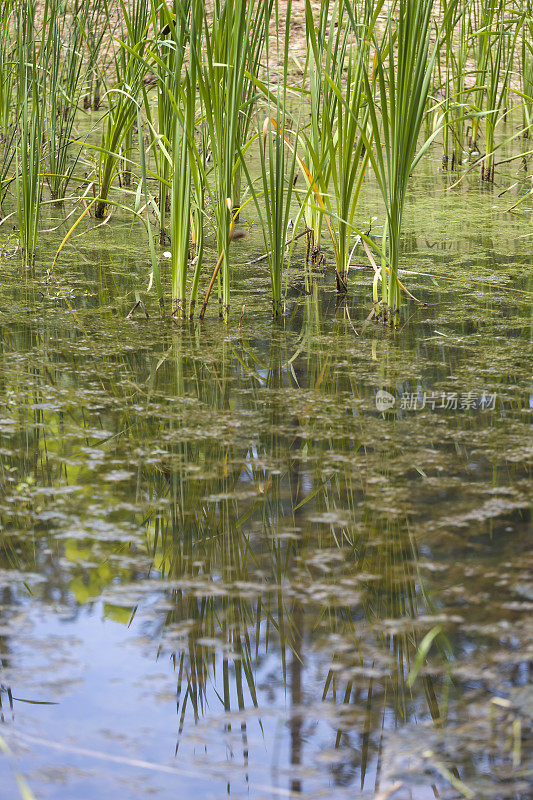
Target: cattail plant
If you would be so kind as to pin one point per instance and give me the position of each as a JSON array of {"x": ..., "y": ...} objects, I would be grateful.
[
  {"x": 226, "y": 62},
  {"x": 349, "y": 135},
  {"x": 180, "y": 158},
  {"x": 180, "y": 209},
  {"x": 396, "y": 102},
  {"x": 167, "y": 55},
  {"x": 278, "y": 172},
  {"x": 527, "y": 69},
  {"x": 494, "y": 45},
  {"x": 481, "y": 21}
]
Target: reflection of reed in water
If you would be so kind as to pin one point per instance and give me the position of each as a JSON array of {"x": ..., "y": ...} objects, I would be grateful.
[
  {"x": 246, "y": 544},
  {"x": 267, "y": 509}
]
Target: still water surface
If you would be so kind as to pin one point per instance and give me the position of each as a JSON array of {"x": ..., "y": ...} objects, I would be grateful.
[{"x": 219, "y": 558}]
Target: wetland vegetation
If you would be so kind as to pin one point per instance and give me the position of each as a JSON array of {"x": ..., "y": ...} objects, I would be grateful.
[{"x": 278, "y": 546}]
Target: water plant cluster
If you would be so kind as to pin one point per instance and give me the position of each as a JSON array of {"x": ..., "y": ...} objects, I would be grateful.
[{"x": 202, "y": 111}]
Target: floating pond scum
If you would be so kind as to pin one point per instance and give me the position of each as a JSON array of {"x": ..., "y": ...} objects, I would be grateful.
[{"x": 285, "y": 553}]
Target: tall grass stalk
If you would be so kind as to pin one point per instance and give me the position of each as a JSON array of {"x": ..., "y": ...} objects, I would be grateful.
[
  {"x": 502, "y": 35},
  {"x": 326, "y": 54},
  {"x": 66, "y": 85},
  {"x": 325, "y": 50},
  {"x": 278, "y": 170},
  {"x": 8, "y": 88},
  {"x": 124, "y": 97},
  {"x": 258, "y": 39},
  {"x": 156, "y": 277},
  {"x": 7, "y": 64},
  {"x": 481, "y": 19},
  {"x": 8, "y": 158},
  {"x": 454, "y": 49},
  {"x": 99, "y": 30},
  {"x": 32, "y": 88}
]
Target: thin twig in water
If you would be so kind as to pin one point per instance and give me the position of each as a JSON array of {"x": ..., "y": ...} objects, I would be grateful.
[
  {"x": 131, "y": 762},
  {"x": 366, "y": 323},
  {"x": 211, "y": 284},
  {"x": 138, "y": 304},
  {"x": 387, "y": 792},
  {"x": 350, "y": 319}
]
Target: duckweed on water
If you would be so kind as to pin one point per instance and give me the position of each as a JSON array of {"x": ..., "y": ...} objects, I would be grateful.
[
  {"x": 234, "y": 514},
  {"x": 280, "y": 557}
]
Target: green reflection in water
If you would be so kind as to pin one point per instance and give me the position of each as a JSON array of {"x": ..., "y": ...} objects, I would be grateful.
[{"x": 238, "y": 494}]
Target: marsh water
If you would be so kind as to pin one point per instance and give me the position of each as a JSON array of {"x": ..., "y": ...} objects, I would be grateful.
[{"x": 228, "y": 566}]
